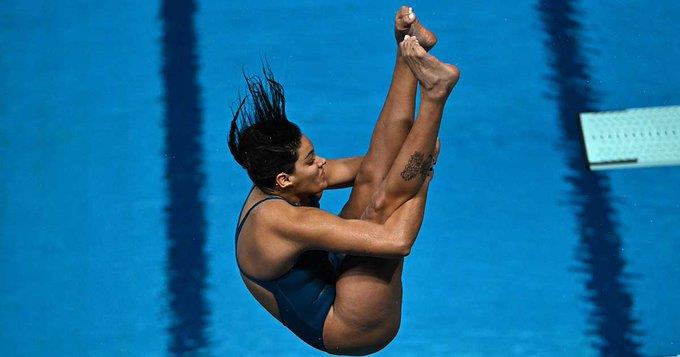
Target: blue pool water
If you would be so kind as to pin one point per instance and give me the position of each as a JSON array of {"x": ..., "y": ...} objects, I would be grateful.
[{"x": 118, "y": 197}]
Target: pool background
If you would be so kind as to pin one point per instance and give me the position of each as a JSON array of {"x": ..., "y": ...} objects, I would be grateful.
[{"x": 118, "y": 197}]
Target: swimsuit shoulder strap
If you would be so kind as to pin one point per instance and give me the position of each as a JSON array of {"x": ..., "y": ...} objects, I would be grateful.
[
  {"x": 238, "y": 231},
  {"x": 239, "y": 225},
  {"x": 244, "y": 205}
]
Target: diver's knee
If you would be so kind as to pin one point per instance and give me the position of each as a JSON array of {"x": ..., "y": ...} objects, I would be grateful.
[{"x": 376, "y": 207}]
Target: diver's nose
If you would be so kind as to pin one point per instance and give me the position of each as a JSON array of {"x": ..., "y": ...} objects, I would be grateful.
[{"x": 322, "y": 161}]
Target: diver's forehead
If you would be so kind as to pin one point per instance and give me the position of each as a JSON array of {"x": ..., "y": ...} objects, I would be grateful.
[
  {"x": 306, "y": 149},
  {"x": 305, "y": 143}
]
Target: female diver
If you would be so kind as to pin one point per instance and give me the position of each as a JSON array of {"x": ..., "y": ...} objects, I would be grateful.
[{"x": 288, "y": 250}]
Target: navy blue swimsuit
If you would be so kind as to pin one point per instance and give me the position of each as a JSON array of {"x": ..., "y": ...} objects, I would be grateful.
[{"x": 305, "y": 293}]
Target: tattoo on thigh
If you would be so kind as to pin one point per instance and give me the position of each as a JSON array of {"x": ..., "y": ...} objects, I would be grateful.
[{"x": 417, "y": 165}]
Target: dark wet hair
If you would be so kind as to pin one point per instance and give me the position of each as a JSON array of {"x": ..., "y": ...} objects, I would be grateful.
[{"x": 261, "y": 138}]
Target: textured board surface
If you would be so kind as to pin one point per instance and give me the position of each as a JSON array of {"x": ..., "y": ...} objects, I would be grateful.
[{"x": 632, "y": 137}]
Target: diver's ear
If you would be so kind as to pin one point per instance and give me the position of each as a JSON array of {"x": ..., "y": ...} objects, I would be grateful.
[{"x": 283, "y": 180}]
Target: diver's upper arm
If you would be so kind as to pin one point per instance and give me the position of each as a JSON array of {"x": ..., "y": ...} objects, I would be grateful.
[
  {"x": 314, "y": 229},
  {"x": 342, "y": 172}
]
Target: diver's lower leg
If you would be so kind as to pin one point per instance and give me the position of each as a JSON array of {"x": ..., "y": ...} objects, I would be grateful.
[{"x": 416, "y": 155}]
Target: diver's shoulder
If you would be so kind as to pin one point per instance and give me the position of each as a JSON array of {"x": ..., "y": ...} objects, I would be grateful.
[{"x": 273, "y": 210}]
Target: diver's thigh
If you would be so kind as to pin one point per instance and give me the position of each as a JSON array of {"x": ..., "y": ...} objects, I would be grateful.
[
  {"x": 368, "y": 290},
  {"x": 366, "y": 313},
  {"x": 359, "y": 199},
  {"x": 342, "y": 338},
  {"x": 377, "y": 162}
]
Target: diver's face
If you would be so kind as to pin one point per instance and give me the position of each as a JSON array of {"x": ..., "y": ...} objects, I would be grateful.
[{"x": 309, "y": 176}]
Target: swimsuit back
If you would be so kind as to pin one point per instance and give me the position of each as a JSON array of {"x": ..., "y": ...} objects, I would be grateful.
[{"x": 305, "y": 293}]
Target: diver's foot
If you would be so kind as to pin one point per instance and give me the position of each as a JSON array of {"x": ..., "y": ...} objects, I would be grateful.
[
  {"x": 436, "y": 79},
  {"x": 406, "y": 23}
]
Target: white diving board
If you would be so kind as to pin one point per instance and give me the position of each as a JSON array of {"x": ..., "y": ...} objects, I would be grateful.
[{"x": 630, "y": 138}]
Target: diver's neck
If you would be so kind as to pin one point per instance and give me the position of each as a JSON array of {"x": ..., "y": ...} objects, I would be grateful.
[
  {"x": 290, "y": 197},
  {"x": 293, "y": 198}
]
